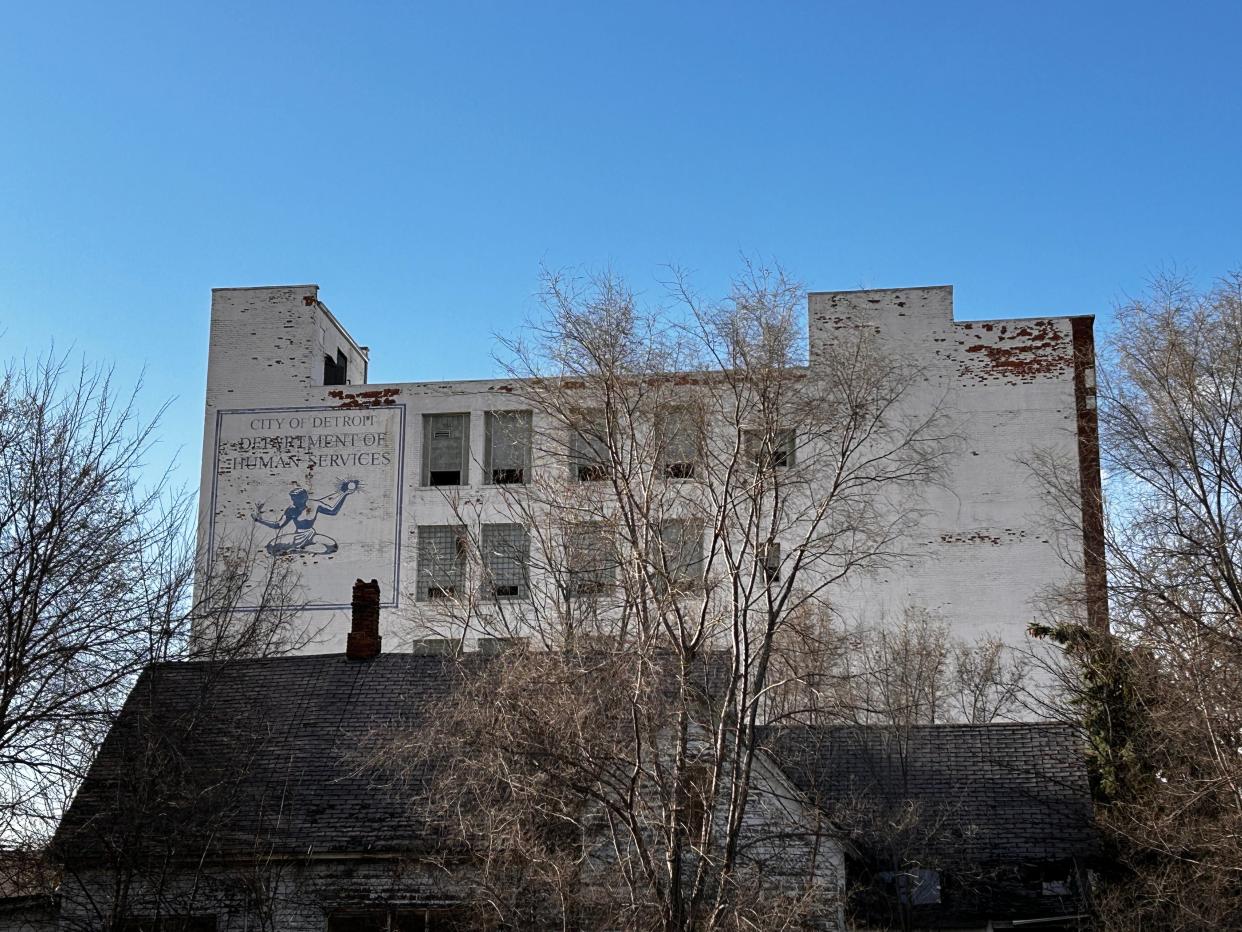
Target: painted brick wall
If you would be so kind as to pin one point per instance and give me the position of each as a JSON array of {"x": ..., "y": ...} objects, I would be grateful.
[{"x": 980, "y": 557}]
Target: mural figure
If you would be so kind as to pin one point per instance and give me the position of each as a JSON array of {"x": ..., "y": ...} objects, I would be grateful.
[{"x": 295, "y": 528}]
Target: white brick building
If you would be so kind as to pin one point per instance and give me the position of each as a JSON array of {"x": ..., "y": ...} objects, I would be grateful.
[{"x": 304, "y": 460}]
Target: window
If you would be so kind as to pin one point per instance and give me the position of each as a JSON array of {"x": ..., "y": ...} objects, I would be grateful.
[
  {"x": 770, "y": 449},
  {"x": 506, "y": 556},
  {"x": 590, "y": 560},
  {"x": 694, "y": 790},
  {"x": 770, "y": 560},
  {"x": 405, "y": 919},
  {"x": 589, "y": 458},
  {"x": 446, "y": 449},
  {"x": 441, "y": 561},
  {"x": 335, "y": 371},
  {"x": 681, "y": 548},
  {"x": 677, "y": 440},
  {"x": 506, "y": 448}
]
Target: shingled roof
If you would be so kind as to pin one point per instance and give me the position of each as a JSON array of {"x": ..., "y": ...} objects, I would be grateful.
[
  {"x": 257, "y": 753},
  {"x": 257, "y": 749},
  {"x": 1004, "y": 792}
]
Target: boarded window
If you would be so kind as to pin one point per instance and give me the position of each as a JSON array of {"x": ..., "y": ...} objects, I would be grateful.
[
  {"x": 441, "y": 561},
  {"x": 446, "y": 449},
  {"x": 506, "y": 453},
  {"x": 589, "y": 458},
  {"x": 681, "y": 551},
  {"x": 677, "y": 440},
  {"x": 773, "y": 449},
  {"x": 506, "y": 557},
  {"x": 590, "y": 559}
]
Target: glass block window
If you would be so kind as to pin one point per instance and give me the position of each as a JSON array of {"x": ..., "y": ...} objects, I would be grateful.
[
  {"x": 446, "y": 449},
  {"x": 771, "y": 449},
  {"x": 589, "y": 459},
  {"x": 681, "y": 546},
  {"x": 441, "y": 562},
  {"x": 591, "y": 560},
  {"x": 677, "y": 440},
  {"x": 506, "y": 558},
  {"x": 506, "y": 453}
]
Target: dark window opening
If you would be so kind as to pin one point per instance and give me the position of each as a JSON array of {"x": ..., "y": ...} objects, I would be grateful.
[
  {"x": 693, "y": 797},
  {"x": 771, "y": 450},
  {"x": 677, "y": 433},
  {"x": 770, "y": 557},
  {"x": 590, "y": 459},
  {"x": 336, "y": 371},
  {"x": 506, "y": 450},
  {"x": 446, "y": 449}
]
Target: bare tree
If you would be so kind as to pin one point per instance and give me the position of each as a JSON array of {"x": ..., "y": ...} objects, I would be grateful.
[
  {"x": 96, "y": 569},
  {"x": 93, "y": 565},
  {"x": 701, "y": 495},
  {"x": 1159, "y": 694}
]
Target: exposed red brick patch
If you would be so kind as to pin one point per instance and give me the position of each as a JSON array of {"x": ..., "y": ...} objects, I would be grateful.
[{"x": 375, "y": 398}]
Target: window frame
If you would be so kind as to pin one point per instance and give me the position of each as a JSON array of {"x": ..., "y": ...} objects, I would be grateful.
[
  {"x": 598, "y": 579},
  {"x": 780, "y": 453},
  {"x": 490, "y": 419},
  {"x": 427, "y": 533},
  {"x": 675, "y": 469},
  {"x": 463, "y": 472},
  {"x": 490, "y": 549}
]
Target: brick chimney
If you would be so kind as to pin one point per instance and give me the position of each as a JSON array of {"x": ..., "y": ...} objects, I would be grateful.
[{"x": 364, "y": 637}]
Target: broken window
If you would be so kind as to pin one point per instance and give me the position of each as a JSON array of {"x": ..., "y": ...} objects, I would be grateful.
[
  {"x": 446, "y": 449},
  {"x": 590, "y": 559},
  {"x": 677, "y": 440},
  {"x": 681, "y": 550},
  {"x": 770, "y": 449},
  {"x": 589, "y": 456},
  {"x": 336, "y": 371},
  {"x": 441, "y": 561},
  {"x": 506, "y": 557},
  {"x": 506, "y": 450},
  {"x": 770, "y": 560}
]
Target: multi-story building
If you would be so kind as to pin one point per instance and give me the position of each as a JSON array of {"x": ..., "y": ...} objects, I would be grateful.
[{"x": 309, "y": 464}]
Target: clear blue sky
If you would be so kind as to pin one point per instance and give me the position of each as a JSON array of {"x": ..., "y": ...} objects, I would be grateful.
[{"x": 419, "y": 161}]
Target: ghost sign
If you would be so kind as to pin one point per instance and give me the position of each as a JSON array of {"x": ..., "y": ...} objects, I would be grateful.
[{"x": 317, "y": 487}]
